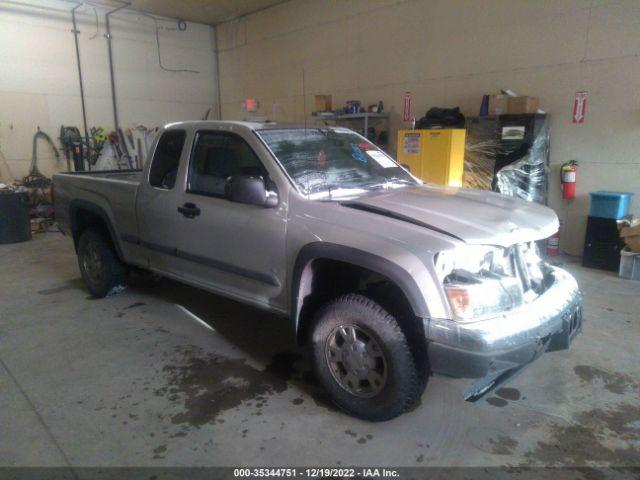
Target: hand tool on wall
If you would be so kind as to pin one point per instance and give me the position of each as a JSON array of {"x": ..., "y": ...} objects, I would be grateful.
[
  {"x": 119, "y": 148},
  {"x": 96, "y": 143},
  {"x": 35, "y": 178},
  {"x": 129, "y": 136},
  {"x": 144, "y": 133},
  {"x": 74, "y": 147},
  {"x": 122, "y": 140},
  {"x": 140, "y": 155}
]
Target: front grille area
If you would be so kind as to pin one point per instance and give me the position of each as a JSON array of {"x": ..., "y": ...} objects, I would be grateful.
[
  {"x": 530, "y": 270},
  {"x": 575, "y": 322}
]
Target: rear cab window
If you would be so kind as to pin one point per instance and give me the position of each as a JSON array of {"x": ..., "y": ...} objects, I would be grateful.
[{"x": 166, "y": 159}]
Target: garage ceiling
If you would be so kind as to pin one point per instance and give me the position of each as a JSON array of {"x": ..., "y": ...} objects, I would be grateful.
[{"x": 202, "y": 11}]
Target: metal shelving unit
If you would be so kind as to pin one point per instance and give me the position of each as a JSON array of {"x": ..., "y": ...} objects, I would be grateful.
[{"x": 364, "y": 119}]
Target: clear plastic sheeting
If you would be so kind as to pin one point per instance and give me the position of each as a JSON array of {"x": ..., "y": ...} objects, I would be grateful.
[
  {"x": 526, "y": 178},
  {"x": 479, "y": 163},
  {"x": 508, "y": 154}
]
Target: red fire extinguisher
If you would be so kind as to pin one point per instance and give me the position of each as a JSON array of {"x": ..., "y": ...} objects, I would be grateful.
[
  {"x": 568, "y": 179},
  {"x": 553, "y": 244}
]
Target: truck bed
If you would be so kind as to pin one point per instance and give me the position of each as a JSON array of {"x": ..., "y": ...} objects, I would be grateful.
[
  {"x": 120, "y": 175},
  {"x": 112, "y": 193}
]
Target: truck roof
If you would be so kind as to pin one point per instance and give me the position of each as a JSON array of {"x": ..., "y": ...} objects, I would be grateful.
[{"x": 248, "y": 125}]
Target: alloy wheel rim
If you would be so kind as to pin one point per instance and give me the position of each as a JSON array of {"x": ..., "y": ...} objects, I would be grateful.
[
  {"x": 356, "y": 360},
  {"x": 92, "y": 263}
]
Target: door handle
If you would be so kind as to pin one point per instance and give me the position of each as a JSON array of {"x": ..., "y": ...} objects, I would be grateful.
[{"x": 189, "y": 210}]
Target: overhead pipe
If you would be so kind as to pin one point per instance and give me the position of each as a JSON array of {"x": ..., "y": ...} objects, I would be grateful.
[
  {"x": 113, "y": 83},
  {"x": 76, "y": 32},
  {"x": 217, "y": 66},
  {"x": 98, "y": 4}
]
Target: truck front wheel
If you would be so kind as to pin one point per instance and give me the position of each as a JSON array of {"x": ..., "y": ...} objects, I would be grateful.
[
  {"x": 100, "y": 267},
  {"x": 363, "y": 359}
]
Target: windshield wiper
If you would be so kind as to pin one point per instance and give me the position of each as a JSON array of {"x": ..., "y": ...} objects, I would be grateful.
[
  {"x": 388, "y": 183},
  {"x": 401, "y": 180},
  {"x": 323, "y": 189},
  {"x": 336, "y": 193}
]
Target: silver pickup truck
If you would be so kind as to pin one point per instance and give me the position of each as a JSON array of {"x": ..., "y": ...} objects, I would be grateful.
[{"x": 387, "y": 279}]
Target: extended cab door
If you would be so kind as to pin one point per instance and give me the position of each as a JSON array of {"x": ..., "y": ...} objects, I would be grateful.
[
  {"x": 158, "y": 197},
  {"x": 233, "y": 248}
]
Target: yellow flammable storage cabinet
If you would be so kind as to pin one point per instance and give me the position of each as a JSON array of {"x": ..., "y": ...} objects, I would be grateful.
[{"x": 435, "y": 156}]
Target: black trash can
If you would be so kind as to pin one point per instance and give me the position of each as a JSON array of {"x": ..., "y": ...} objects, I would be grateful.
[{"x": 14, "y": 217}]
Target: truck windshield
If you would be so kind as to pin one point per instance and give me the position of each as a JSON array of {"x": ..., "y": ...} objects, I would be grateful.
[{"x": 326, "y": 163}]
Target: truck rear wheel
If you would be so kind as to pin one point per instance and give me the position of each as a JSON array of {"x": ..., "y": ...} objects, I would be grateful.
[
  {"x": 100, "y": 267},
  {"x": 363, "y": 359}
]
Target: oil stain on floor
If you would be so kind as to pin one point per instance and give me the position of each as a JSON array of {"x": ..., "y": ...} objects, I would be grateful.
[
  {"x": 508, "y": 393},
  {"x": 491, "y": 440},
  {"x": 579, "y": 445},
  {"x": 502, "y": 395},
  {"x": 497, "y": 402},
  {"x": 608, "y": 436},
  {"x": 503, "y": 445},
  {"x": 211, "y": 384},
  {"x": 208, "y": 384},
  {"x": 614, "y": 382}
]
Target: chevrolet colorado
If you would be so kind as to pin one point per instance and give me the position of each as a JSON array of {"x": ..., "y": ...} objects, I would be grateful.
[{"x": 387, "y": 279}]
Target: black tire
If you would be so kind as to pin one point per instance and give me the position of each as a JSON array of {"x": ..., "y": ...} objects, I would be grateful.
[
  {"x": 100, "y": 267},
  {"x": 402, "y": 383}
]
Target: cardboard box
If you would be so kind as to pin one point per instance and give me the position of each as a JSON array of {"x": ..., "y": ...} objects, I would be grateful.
[
  {"x": 498, "y": 104},
  {"x": 323, "y": 103},
  {"x": 631, "y": 236},
  {"x": 520, "y": 105}
]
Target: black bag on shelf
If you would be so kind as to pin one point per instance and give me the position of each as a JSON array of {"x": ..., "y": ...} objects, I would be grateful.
[{"x": 442, "y": 118}]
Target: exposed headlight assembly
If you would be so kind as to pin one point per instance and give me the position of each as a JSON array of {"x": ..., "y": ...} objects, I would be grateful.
[
  {"x": 480, "y": 281},
  {"x": 485, "y": 299}
]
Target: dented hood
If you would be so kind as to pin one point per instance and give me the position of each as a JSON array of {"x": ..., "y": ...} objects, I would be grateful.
[{"x": 473, "y": 216}]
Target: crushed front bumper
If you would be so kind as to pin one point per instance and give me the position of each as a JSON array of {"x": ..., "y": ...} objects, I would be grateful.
[{"x": 496, "y": 349}]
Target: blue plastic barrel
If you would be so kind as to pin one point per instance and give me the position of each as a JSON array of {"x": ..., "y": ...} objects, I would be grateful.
[{"x": 609, "y": 204}]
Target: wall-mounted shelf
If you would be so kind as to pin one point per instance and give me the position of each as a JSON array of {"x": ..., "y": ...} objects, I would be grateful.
[{"x": 364, "y": 119}]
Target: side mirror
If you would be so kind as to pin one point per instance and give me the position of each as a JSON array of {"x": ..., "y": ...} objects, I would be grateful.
[{"x": 249, "y": 190}]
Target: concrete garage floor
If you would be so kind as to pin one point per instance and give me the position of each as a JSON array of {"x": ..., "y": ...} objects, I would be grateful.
[{"x": 134, "y": 380}]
